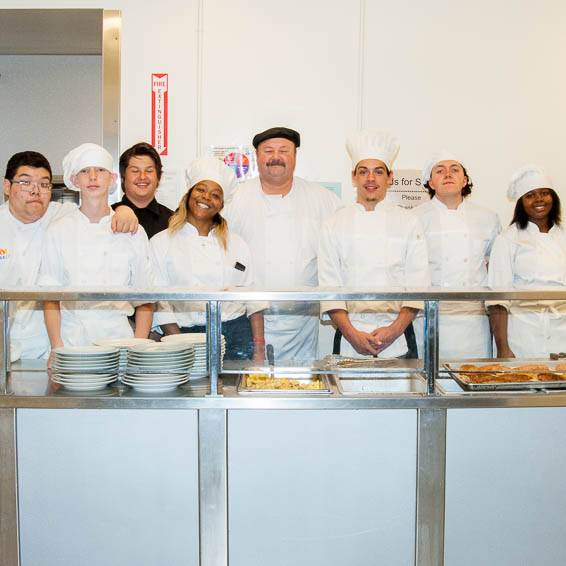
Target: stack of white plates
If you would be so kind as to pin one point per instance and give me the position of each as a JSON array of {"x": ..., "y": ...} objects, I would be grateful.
[
  {"x": 198, "y": 340},
  {"x": 123, "y": 344},
  {"x": 158, "y": 367},
  {"x": 85, "y": 368}
]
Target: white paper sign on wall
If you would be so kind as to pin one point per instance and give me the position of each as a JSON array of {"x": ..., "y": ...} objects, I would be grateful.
[{"x": 407, "y": 189}]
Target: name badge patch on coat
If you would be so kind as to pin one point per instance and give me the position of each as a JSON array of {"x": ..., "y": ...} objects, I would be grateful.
[{"x": 239, "y": 266}]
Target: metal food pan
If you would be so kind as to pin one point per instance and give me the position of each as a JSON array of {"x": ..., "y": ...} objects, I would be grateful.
[
  {"x": 301, "y": 378},
  {"x": 454, "y": 369},
  {"x": 362, "y": 366},
  {"x": 384, "y": 384}
]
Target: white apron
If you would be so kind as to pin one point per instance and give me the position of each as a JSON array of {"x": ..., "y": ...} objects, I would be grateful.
[
  {"x": 459, "y": 242},
  {"x": 536, "y": 330},
  {"x": 293, "y": 336},
  {"x": 380, "y": 249},
  {"x": 282, "y": 234}
]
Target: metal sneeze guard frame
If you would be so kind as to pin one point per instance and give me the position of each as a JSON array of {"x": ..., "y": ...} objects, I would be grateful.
[{"x": 214, "y": 299}]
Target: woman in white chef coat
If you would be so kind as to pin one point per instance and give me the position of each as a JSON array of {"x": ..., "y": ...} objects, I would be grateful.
[
  {"x": 459, "y": 235},
  {"x": 197, "y": 250},
  {"x": 530, "y": 254},
  {"x": 80, "y": 251}
]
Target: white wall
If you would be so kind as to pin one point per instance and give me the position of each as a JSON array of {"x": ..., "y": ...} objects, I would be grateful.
[{"x": 479, "y": 78}]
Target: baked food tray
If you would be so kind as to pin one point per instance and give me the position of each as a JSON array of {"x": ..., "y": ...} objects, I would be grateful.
[
  {"x": 302, "y": 379},
  {"x": 508, "y": 376}
]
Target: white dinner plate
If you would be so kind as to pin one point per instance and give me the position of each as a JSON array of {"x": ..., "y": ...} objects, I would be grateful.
[
  {"x": 85, "y": 350},
  {"x": 154, "y": 376},
  {"x": 84, "y": 386},
  {"x": 196, "y": 337},
  {"x": 161, "y": 356},
  {"x": 154, "y": 387},
  {"x": 85, "y": 376},
  {"x": 161, "y": 347},
  {"x": 89, "y": 361},
  {"x": 123, "y": 343},
  {"x": 151, "y": 389},
  {"x": 85, "y": 367}
]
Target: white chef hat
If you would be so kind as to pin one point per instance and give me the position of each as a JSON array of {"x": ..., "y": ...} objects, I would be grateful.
[
  {"x": 86, "y": 155},
  {"x": 526, "y": 179},
  {"x": 372, "y": 145},
  {"x": 437, "y": 157},
  {"x": 212, "y": 169}
]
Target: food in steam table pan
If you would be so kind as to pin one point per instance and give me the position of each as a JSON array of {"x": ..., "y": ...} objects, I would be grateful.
[
  {"x": 506, "y": 374},
  {"x": 265, "y": 381}
]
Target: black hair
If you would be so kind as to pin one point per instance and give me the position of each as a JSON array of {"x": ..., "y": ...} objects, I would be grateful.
[
  {"x": 554, "y": 216},
  {"x": 465, "y": 190},
  {"x": 138, "y": 150},
  {"x": 26, "y": 159},
  {"x": 386, "y": 169}
]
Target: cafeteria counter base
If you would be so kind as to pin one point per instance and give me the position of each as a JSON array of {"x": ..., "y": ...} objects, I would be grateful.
[{"x": 136, "y": 480}]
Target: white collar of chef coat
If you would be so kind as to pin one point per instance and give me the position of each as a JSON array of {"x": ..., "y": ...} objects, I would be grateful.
[
  {"x": 25, "y": 226},
  {"x": 190, "y": 230},
  {"x": 278, "y": 197},
  {"x": 532, "y": 227},
  {"x": 441, "y": 206},
  {"x": 381, "y": 204},
  {"x": 102, "y": 222}
]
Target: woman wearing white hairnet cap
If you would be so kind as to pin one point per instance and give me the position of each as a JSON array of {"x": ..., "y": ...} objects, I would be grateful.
[
  {"x": 197, "y": 250},
  {"x": 529, "y": 254},
  {"x": 81, "y": 251},
  {"x": 459, "y": 237}
]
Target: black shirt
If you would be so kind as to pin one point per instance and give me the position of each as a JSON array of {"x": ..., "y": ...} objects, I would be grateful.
[{"x": 154, "y": 217}]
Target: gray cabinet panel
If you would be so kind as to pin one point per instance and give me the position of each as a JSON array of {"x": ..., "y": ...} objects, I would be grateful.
[
  {"x": 505, "y": 489},
  {"x": 108, "y": 487},
  {"x": 321, "y": 487}
]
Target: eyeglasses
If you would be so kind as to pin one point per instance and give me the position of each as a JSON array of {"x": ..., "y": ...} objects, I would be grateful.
[{"x": 28, "y": 186}]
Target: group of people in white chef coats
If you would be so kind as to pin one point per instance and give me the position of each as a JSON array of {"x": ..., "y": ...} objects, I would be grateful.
[
  {"x": 283, "y": 232},
  {"x": 447, "y": 242}
]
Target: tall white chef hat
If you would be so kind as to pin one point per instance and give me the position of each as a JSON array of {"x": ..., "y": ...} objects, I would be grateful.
[
  {"x": 437, "y": 157},
  {"x": 372, "y": 145},
  {"x": 86, "y": 155},
  {"x": 526, "y": 179},
  {"x": 212, "y": 169}
]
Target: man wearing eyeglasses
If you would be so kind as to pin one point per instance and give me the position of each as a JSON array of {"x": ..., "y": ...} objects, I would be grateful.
[{"x": 23, "y": 221}]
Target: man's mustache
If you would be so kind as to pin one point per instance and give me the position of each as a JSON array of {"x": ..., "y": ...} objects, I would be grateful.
[{"x": 275, "y": 162}]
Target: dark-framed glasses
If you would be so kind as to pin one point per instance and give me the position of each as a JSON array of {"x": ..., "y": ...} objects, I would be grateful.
[{"x": 29, "y": 186}]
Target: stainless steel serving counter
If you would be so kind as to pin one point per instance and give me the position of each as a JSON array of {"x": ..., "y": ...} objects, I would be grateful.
[
  {"x": 205, "y": 476},
  {"x": 29, "y": 387}
]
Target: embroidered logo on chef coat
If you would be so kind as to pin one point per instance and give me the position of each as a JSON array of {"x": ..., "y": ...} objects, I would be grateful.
[{"x": 4, "y": 254}]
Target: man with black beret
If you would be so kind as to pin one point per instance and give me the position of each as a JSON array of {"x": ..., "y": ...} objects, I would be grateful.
[{"x": 279, "y": 215}]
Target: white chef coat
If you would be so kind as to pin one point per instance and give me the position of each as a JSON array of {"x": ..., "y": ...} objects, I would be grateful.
[
  {"x": 82, "y": 255},
  {"x": 531, "y": 259},
  {"x": 282, "y": 233},
  {"x": 459, "y": 245},
  {"x": 186, "y": 260},
  {"x": 20, "y": 257},
  {"x": 382, "y": 249}
]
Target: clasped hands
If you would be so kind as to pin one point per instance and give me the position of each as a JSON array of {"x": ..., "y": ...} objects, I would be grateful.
[{"x": 374, "y": 342}]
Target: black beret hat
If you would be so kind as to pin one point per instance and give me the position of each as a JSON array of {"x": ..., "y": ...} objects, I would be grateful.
[{"x": 278, "y": 132}]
